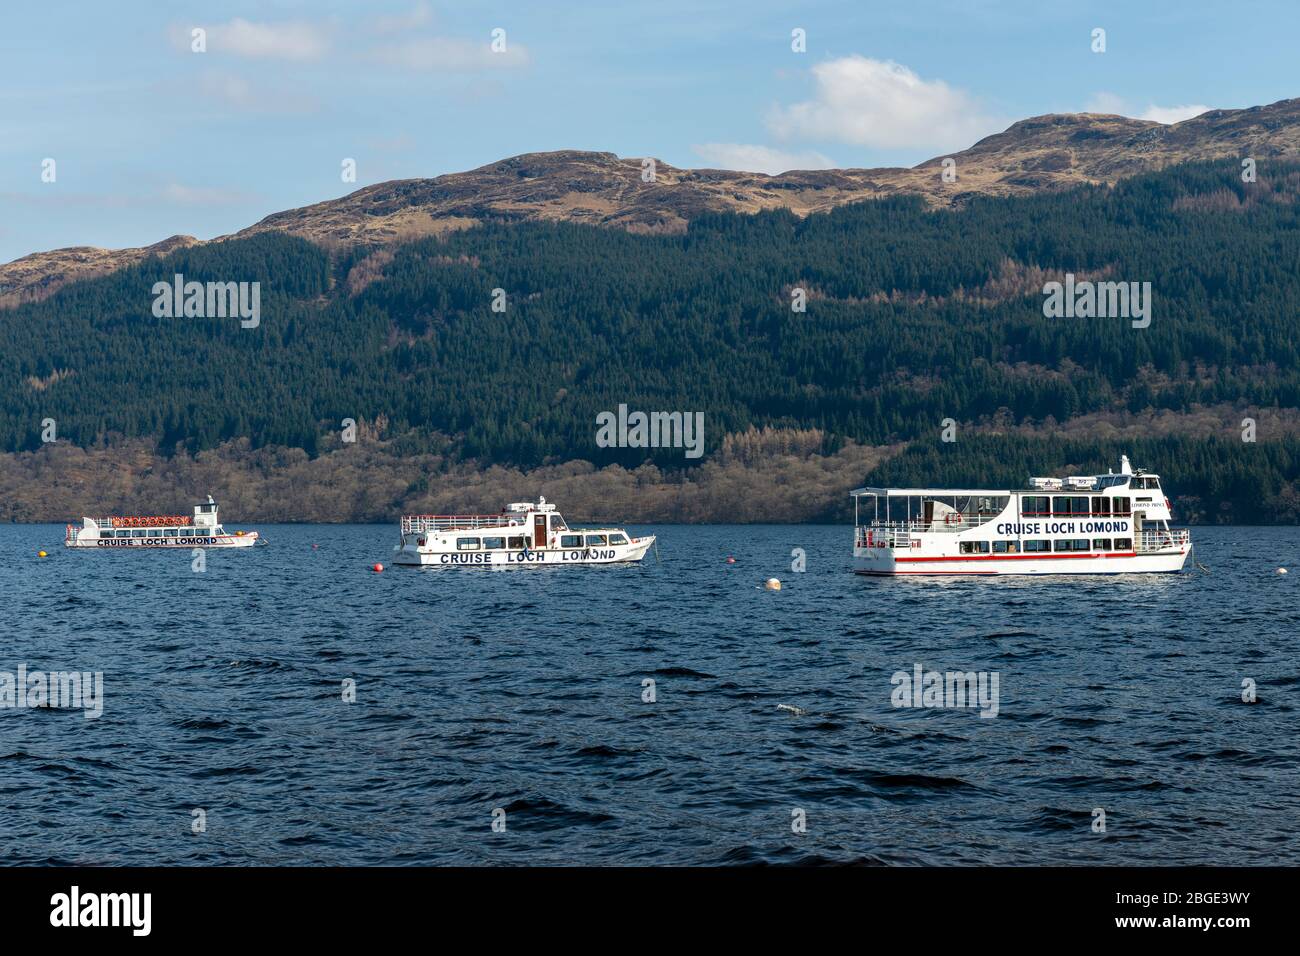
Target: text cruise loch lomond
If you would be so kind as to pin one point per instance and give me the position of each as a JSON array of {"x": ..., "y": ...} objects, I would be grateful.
[
  {"x": 158, "y": 531},
  {"x": 1103, "y": 524},
  {"x": 522, "y": 535}
]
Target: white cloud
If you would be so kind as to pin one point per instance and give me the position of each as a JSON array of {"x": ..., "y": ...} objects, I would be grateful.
[
  {"x": 449, "y": 55},
  {"x": 238, "y": 92},
  {"x": 1173, "y": 114},
  {"x": 884, "y": 105},
  {"x": 419, "y": 16},
  {"x": 290, "y": 40},
  {"x": 1107, "y": 103},
  {"x": 1117, "y": 105},
  {"x": 759, "y": 159}
]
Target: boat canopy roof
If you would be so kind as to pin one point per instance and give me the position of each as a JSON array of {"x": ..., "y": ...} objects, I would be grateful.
[{"x": 934, "y": 492}]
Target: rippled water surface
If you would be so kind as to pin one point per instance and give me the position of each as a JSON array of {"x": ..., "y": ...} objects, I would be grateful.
[{"x": 522, "y": 689}]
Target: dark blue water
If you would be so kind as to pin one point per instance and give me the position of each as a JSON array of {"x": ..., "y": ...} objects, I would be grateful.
[{"x": 521, "y": 689}]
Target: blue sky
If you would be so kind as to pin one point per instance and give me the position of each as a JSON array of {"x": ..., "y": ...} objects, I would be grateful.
[{"x": 151, "y": 139}]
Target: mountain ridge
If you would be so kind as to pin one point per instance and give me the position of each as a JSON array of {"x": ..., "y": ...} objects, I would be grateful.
[{"x": 1053, "y": 151}]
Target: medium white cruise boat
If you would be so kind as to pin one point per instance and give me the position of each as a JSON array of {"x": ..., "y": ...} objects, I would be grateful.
[
  {"x": 1099, "y": 524},
  {"x": 158, "y": 531},
  {"x": 522, "y": 535}
]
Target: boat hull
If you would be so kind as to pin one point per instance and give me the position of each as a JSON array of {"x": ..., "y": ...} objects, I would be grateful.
[
  {"x": 885, "y": 562},
  {"x": 86, "y": 543},
  {"x": 413, "y": 555}
]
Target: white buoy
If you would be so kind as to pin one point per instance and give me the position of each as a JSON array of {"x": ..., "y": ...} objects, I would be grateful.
[
  {"x": 773, "y": 584},
  {"x": 1281, "y": 570}
]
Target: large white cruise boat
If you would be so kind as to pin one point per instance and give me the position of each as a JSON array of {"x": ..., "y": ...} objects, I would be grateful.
[
  {"x": 522, "y": 535},
  {"x": 158, "y": 531},
  {"x": 1099, "y": 524}
]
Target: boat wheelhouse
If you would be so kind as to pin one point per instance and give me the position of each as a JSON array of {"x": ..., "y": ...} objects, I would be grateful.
[
  {"x": 1096, "y": 524},
  {"x": 522, "y": 535},
  {"x": 204, "y": 530}
]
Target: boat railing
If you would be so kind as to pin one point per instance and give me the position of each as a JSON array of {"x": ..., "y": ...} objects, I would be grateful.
[
  {"x": 416, "y": 524},
  {"x": 952, "y": 522},
  {"x": 1117, "y": 513},
  {"x": 893, "y": 534},
  {"x": 1147, "y": 542}
]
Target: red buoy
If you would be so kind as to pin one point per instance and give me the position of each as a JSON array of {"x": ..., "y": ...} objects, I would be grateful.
[
  {"x": 378, "y": 568},
  {"x": 731, "y": 560}
]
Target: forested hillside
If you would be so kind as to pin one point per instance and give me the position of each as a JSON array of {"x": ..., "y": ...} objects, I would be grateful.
[{"x": 913, "y": 316}]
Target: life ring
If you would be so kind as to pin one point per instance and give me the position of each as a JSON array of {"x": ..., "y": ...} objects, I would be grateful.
[{"x": 117, "y": 522}]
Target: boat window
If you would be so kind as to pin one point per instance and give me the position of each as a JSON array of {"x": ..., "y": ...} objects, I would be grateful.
[
  {"x": 1123, "y": 544},
  {"x": 1038, "y": 546},
  {"x": 974, "y": 547},
  {"x": 467, "y": 544},
  {"x": 170, "y": 532},
  {"x": 1122, "y": 506},
  {"x": 1072, "y": 544},
  {"x": 595, "y": 539},
  {"x": 1070, "y": 506},
  {"x": 494, "y": 543},
  {"x": 557, "y": 523},
  {"x": 1101, "y": 505},
  {"x": 617, "y": 539},
  {"x": 155, "y": 532},
  {"x": 517, "y": 544},
  {"x": 571, "y": 541},
  {"x": 138, "y": 533},
  {"x": 1035, "y": 505},
  {"x": 1101, "y": 544}
]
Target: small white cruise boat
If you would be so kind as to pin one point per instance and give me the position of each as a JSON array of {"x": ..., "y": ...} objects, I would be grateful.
[
  {"x": 204, "y": 530},
  {"x": 1099, "y": 524},
  {"x": 522, "y": 535}
]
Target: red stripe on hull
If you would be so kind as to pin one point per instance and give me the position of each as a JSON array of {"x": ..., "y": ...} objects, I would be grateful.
[{"x": 1019, "y": 557}]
